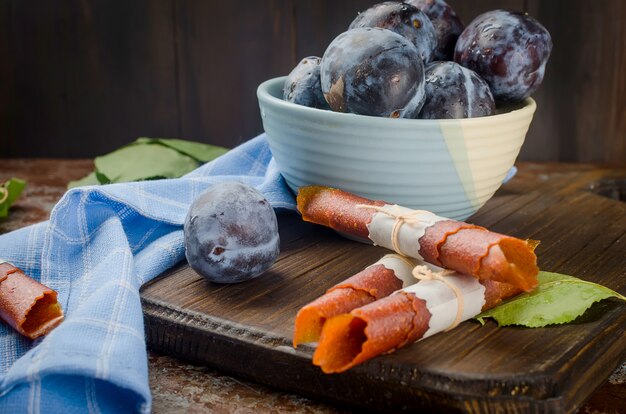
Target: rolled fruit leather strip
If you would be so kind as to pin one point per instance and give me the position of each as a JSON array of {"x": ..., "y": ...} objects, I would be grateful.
[
  {"x": 387, "y": 275},
  {"x": 28, "y": 306},
  {"x": 463, "y": 247},
  {"x": 413, "y": 313}
]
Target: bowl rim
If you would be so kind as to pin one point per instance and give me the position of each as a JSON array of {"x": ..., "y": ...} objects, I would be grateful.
[{"x": 263, "y": 95}]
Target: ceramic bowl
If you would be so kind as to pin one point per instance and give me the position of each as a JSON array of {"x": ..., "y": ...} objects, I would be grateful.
[{"x": 450, "y": 167}]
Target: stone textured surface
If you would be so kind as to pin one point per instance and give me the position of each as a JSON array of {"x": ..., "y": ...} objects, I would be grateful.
[
  {"x": 46, "y": 182},
  {"x": 181, "y": 387}
]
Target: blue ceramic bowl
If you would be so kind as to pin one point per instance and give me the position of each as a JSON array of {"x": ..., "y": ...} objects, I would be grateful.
[{"x": 450, "y": 167}]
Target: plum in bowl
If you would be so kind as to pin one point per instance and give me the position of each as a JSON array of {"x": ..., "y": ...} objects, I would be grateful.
[{"x": 448, "y": 166}]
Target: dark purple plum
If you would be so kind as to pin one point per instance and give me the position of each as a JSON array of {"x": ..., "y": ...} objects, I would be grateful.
[
  {"x": 447, "y": 23},
  {"x": 373, "y": 71},
  {"x": 453, "y": 91},
  {"x": 404, "y": 19},
  {"x": 302, "y": 86},
  {"x": 508, "y": 50},
  {"x": 231, "y": 233}
]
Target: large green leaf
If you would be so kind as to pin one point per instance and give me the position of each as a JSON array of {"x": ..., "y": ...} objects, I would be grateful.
[
  {"x": 140, "y": 162},
  {"x": 557, "y": 299},
  {"x": 196, "y": 150},
  {"x": 9, "y": 192},
  {"x": 149, "y": 159}
]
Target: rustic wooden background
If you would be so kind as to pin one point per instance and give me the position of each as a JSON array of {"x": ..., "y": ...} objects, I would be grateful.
[{"x": 79, "y": 78}]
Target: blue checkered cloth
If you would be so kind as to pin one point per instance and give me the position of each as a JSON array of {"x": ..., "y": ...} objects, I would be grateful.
[{"x": 100, "y": 245}]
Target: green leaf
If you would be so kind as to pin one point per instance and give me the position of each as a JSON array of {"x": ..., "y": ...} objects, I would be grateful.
[
  {"x": 149, "y": 159},
  {"x": 196, "y": 150},
  {"x": 9, "y": 193},
  {"x": 102, "y": 179},
  {"x": 557, "y": 299},
  {"x": 90, "y": 179},
  {"x": 15, "y": 186},
  {"x": 140, "y": 162}
]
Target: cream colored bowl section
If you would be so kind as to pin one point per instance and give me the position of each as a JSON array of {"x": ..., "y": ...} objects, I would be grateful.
[{"x": 450, "y": 167}]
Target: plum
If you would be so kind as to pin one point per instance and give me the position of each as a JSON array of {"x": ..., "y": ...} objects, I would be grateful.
[
  {"x": 508, "y": 50},
  {"x": 453, "y": 91},
  {"x": 373, "y": 71},
  {"x": 404, "y": 19},
  {"x": 231, "y": 233},
  {"x": 448, "y": 25},
  {"x": 302, "y": 85}
]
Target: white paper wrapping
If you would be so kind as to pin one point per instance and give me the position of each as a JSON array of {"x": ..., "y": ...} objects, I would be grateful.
[
  {"x": 441, "y": 300},
  {"x": 381, "y": 228},
  {"x": 402, "y": 268}
]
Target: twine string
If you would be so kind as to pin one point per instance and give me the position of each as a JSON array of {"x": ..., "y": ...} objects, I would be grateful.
[
  {"x": 419, "y": 272},
  {"x": 424, "y": 273},
  {"x": 409, "y": 262},
  {"x": 405, "y": 259},
  {"x": 412, "y": 217}
]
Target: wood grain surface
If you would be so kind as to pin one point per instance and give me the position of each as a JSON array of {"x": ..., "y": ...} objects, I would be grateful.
[
  {"x": 83, "y": 77},
  {"x": 224, "y": 51},
  {"x": 247, "y": 328},
  {"x": 582, "y": 112},
  {"x": 180, "y": 387}
]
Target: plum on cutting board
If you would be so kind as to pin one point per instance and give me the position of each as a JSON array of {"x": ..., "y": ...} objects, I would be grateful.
[
  {"x": 448, "y": 25},
  {"x": 373, "y": 71},
  {"x": 302, "y": 85},
  {"x": 508, "y": 50},
  {"x": 453, "y": 91},
  {"x": 404, "y": 19},
  {"x": 231, "y": 233}
]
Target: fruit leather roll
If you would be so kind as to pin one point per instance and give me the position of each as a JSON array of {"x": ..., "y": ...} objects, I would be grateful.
[
  {"x": 389, "y": 274},
  {"x": 27, "y": 305},
  {"x": 466, "y": 248},
  {"x": 416, "y": 312}
]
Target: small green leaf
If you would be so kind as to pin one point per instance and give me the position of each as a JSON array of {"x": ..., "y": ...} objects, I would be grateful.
[
  {"x": 102, "y": 179},
  {"x": 140, "y": 162},
  {"x": 15, "y": 186},
  {"x": 89, "y": 179},
  {"x": 196, "y": 150},
  {"x": 557, "y": 299},
  {"x": 9, "y": 193}
]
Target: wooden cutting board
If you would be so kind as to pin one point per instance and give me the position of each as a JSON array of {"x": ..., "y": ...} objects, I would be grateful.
[{"x": 246, "y": 329}]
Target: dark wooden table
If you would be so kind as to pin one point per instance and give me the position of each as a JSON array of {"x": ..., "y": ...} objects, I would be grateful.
[{"x": 178, "y": 386}]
